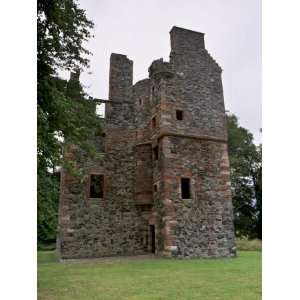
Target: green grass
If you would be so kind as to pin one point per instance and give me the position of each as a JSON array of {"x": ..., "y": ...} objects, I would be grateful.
[{"x": 151, "y": 279}]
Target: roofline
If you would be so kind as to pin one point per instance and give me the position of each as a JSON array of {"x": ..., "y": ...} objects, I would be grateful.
[{"x": 184, "y": 29}]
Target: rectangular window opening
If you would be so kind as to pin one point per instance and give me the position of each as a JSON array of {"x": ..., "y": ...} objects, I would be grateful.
[
  {"x": 185, "y": 188},
  {"x": 96, "y": 186},
  {"x": 179, "y": 115},
  {"x": 154, "y": 122},
  {"x": 155, "y": 152}
]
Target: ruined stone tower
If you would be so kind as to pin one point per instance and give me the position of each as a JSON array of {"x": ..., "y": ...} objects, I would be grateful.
[{"x": 164, "y": 183}]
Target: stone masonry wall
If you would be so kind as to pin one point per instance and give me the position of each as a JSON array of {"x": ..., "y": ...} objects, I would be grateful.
[
  {"x": 110, "y": 225},
  {"x": 202, "y": 225},
  {"x": 194, "y": 147},
  {"x": 147, "y": 152},
  {"x": 197, "y": 86},
  {"x": 100, "y": 227}
]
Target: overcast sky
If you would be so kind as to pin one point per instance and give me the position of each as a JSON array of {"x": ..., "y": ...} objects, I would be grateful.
[{"x": 140, "y": 30}]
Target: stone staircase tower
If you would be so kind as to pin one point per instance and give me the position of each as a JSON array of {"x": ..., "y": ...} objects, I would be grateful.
[{"x": 192, "y": 208}]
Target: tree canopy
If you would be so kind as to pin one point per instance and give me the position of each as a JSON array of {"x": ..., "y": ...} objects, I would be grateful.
[
  {"x": 246, "y": 169},
  {"x": 65, "y": 113}
]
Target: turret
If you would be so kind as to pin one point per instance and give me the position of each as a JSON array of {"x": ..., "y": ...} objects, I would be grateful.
[{"x": 160, "y": 69}]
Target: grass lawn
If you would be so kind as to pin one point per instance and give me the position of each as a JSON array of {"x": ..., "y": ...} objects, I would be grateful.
[{"x": 151, "y": 279}]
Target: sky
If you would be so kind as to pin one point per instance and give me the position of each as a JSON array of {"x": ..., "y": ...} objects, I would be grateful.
[{"x": 140, "y": 30}]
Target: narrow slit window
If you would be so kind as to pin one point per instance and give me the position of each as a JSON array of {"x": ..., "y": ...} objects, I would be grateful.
[
  {"x": 153, "y": 90},
  {"x": 96, "y": 186},
  {"x": 155, "y": 152},
  {"x": 154, "y": 122},
  {"x": 155, "y": 188},
  {"x": 179, "y": 115},
  {"x": 185, "y": 188}
]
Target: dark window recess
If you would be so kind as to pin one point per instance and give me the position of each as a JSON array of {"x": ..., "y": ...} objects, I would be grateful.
[
  {"x": 152, "y": 232},
  {"x": 140, "y": 101},
  {"x": 154, "y": 94},
  {"x": 179, "y": 115},
  {"x": 155, "y": 152},
  {"x": 154, "y": 122},
  {"x": 155, "y": 188},
  {"x": 185, "y": 188},
  {"x": 96, "y": 186}
]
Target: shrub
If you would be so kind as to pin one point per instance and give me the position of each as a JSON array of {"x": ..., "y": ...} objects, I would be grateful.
[{"x": 248, "y": 245}]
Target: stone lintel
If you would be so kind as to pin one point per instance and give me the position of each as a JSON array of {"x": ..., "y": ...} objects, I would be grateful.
[{"x": 143, "y": 143}]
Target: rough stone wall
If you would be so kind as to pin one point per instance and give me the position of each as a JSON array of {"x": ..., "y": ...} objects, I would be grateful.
[
  {"x": 120, "y": 78},
  {"x": 202, "y": 225},
  {"x": 145, "y": 161},
  {"x": 110, "y": 225},
  {"x": 143, "y": 174},
  {"x": 141, "y": 98},
  {"x": 197, "y": 85},
  {"x": 99, "y": 227},
  {"x": 191, "y": 82},
  {"x": 79, "y": 216}
]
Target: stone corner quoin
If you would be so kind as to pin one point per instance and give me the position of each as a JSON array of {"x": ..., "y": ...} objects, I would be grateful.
[{"x": 163, "y": 186}]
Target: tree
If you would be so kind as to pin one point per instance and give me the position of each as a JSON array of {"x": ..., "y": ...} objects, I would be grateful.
[
  {"x": 257, "y": 179},
  {"x": 64, "y": 112},
  {"x": 245, "y": 165},
  {"x": 47, "y": 210}
]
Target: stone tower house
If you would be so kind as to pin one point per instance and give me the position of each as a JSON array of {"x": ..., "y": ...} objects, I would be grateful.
[{"x": 164, "y": 183}]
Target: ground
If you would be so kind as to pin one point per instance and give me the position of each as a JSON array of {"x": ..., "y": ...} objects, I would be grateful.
[{"x": 150, "y": 278}]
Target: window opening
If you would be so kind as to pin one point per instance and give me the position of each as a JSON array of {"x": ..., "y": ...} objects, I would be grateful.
[
  {"x": 179, "y": 115},
  {"x": 185, "y": 188},
  {"x": 154, "y": 122},
  {"x": 155, "y": 152},
  {"x": 96, "y": 186},
  {"x": 152, "y": 232}
]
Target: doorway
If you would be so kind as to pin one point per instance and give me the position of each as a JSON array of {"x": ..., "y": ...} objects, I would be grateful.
[{"x": 152, "y": 238}]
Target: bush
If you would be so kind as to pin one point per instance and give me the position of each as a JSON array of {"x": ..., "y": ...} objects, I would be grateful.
[
  {"x": 46, "y": 246},
  {"x": 248, "y": 245}
]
